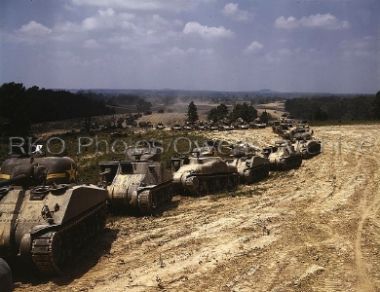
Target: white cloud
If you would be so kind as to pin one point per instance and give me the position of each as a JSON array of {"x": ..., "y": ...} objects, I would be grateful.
[
  {"x": 175, "y": 51},
  {"x": 34, "y": 28},
  {"x": 206, "y": 32},
  {"x": 233, "y": 11},
  {"x": 322, "y": 21},
  {"x": 105, "y": 28},
  {"x": 108, "y": 19},
  {"x": 91, "y": 44},
  {"x": 254, "y": 47},
  {"x": 145, "y": 5},
  {"x": 286, "y": 23}
]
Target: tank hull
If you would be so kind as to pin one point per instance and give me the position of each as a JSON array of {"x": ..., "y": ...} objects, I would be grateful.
[
  {"x": 204, "y": 184},
  {"x": 251, "y": 168},
  {"x": 136, "y": 198},
  {"x": 47, "y": 227},
  {"x": 139, "y": 187}
]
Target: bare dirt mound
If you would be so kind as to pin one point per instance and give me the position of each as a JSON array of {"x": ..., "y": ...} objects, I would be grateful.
[{"x": 312, "y": 229}]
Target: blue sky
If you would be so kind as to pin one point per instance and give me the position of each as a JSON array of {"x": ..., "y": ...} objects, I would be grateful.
[{"x": 285, "y": 45}]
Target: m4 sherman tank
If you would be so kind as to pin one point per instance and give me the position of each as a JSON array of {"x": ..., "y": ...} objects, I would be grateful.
[
  {"x": 243, "y": 126},
  {"x": 251, "y": 165},
  {"x": 177, "y": 127},
  {"x": 199, "y": 175},
  {"x": 139, "y": 184},
  {"x": 45, "y": 217},
  {"x": 160, "y": 126},
  {"x": 308, "y": 148},
  {"x": 298, "y": 133},
  {"x": 282, "y": 156}
]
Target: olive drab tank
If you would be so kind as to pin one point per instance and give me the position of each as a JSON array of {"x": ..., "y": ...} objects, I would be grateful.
[
  {"x": 282, "y": 156},
  {"x": 298, "y": 132},
  {"x": 46, "y": 218},
  {"x": 308, "y": 148},
  {"x": 139, "y": 184},
  {"x": 202, "y": 174},
  {"x": 251, "y": 165}
]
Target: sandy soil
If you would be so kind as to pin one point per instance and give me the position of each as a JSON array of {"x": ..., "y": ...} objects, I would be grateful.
[
  {"x": 313, "y": 229},
  {"x": 168, "y": 119}
]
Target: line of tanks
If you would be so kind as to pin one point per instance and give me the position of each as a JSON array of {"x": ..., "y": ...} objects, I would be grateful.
[
  {"x": 221, "y": 126},
  {"x": 47, "y": 217}
]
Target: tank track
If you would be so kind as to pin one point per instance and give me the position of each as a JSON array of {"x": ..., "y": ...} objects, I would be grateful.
[
  {"x": 151, "y": 199},
  {"x": 290, "y": 163},
  {"x": 257, "y": 174},
  {"x": 215, "y": 183},
  {"x": 52, "y": 250}
]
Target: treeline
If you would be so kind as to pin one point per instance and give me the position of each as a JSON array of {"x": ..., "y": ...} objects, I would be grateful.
[
  {"x": 20, "y": 107},
  {"x": 357, "y": 108},
  {"x": 244, "y": 111}
]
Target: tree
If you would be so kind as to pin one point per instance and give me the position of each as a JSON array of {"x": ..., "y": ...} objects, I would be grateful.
[
  {"x": 218, "y": 113},
  {"x": 21, "y": 107},
  {"x": 264, "y": 118},
  {"x": 192, "y": 113},
  {"x": 247, "y": 112},
  {"x": 320, "y": 115}
]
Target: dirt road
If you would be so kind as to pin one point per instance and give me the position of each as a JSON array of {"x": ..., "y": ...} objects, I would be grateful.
[{"x": 313, "y": 229}]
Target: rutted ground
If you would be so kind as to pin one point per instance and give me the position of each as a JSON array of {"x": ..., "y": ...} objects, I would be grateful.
[{"x": 313, "y": 229}]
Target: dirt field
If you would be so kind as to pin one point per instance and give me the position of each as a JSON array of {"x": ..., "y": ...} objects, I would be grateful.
[{"x": 313, "y": 229}]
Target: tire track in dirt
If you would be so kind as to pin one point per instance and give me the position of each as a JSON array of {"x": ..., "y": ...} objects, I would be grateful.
[{"x": 368, "y": 206}]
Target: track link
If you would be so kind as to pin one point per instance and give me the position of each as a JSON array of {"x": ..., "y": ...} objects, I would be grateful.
[{"x": 52, "y": 250}]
